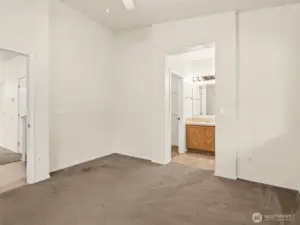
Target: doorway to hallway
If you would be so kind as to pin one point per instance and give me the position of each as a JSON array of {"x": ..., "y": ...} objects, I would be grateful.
[{"x": 13, "y": 119}]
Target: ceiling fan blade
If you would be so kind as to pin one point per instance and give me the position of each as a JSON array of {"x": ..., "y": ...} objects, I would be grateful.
[{"x": 129, "y": 4}]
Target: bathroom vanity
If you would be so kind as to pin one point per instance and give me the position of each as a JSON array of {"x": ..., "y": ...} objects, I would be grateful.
[{"x": 200, "y": 135}]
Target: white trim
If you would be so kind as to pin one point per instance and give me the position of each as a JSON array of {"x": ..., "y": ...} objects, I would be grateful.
[
  {"x": 168, "y": 114},
  {"x": 30, "y": 151},
  {"x": 30, "y": 164},
  {"x": 181, "y": 126},
  {"x": 166, "y": 162},
  {"x": 167, "y": 156},
  {"x": 21, "y": 123}
]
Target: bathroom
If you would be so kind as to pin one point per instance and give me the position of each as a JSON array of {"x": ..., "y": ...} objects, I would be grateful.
[{"x": 193, "y": 104}]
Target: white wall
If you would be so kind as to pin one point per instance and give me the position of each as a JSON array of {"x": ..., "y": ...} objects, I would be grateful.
[
  {"x": 81, "y": 88},
  {"x": 1, "y": 73},
  {"x": 141, "y": 113},
  {"x": 134, "y": 90},
  {"x": 2, "y": 92},
  {"x": 193, "y": 63},
  {"x": 260, "y": 121},
  {"x": 25, "y": 28},
  {"x": 189, "y": 91},
  {"x": 136, "y": 100},
  {"x": 192, "y": 68},
  {"x": 12, "y": 70},
  {"x": 81, "y": 75},
  {"x": 269, "y": 121}
]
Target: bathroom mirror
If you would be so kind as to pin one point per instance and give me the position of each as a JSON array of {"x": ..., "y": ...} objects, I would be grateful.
[
  {"x": 200, "y": 98},
  {"x": 207, "y": 99}
]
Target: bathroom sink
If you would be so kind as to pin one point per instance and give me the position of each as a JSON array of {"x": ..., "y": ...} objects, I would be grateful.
[
  {"x": 203, "y": 123},
  {"x": 201, "y": 120}
]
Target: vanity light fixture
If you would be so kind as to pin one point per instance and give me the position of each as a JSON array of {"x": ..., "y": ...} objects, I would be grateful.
[
  {"x": 210, "y": 77},
  {"x": 197, "y": 79}
]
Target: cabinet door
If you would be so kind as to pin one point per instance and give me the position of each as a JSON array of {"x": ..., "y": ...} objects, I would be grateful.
[
  {"x": 209, "y": 143},
  {"x": 194, "y": 137}
]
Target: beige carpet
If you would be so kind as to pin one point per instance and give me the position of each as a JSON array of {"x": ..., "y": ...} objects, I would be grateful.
[
  {"x": 119, "y": 190},
  {"x": 12, "y": 175},
  {"x": 7, "y": 156}
]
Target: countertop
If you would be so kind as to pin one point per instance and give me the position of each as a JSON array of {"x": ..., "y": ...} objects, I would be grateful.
[{"x": 208, "y": 124}]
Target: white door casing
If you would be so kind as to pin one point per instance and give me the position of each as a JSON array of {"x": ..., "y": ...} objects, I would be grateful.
[
  {"x": 22, "y": 115},
  {"x": 177, "y": 113}
]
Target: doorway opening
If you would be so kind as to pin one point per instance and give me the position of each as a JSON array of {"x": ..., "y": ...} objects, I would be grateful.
[
  {"x": 13, "y": 119},
  {"x": 193, "y": 106}
]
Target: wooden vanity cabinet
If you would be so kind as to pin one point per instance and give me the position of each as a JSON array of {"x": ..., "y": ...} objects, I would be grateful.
[
  {"x": 200, "y": 137},
  {"x": 194, "y": 137}
]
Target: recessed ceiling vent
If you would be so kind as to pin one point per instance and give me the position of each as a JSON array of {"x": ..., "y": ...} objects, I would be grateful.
[{"x": 129, "y": 4}]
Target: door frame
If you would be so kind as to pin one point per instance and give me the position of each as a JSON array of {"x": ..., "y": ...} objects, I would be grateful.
[
  {"x": 30, "y": 138},
  {"x": 22, "y": 124},
  {"x": 226, "y": 152}
]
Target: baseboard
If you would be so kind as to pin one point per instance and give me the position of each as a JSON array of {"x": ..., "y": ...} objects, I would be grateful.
[
  {"x": 184, "y": 151},
  {"x": 134, "y": 156},
  {"x": 226, "y": 176},
  {"x": 70, "y": 164},
  {"x": 166, "y": 162},
  {"x": 259, "y": 181},
  {"x": 40, "y": 179}
]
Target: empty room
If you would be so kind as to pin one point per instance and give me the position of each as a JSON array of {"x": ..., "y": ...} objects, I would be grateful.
[{"x": 149, "y": 112}]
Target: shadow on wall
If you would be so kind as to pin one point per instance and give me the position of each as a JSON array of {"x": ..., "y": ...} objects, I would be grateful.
[{"x": 269, "y": 126}]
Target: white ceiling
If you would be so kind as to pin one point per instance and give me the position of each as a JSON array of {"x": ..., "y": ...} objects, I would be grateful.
[{"x": 149, "y": 12}]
